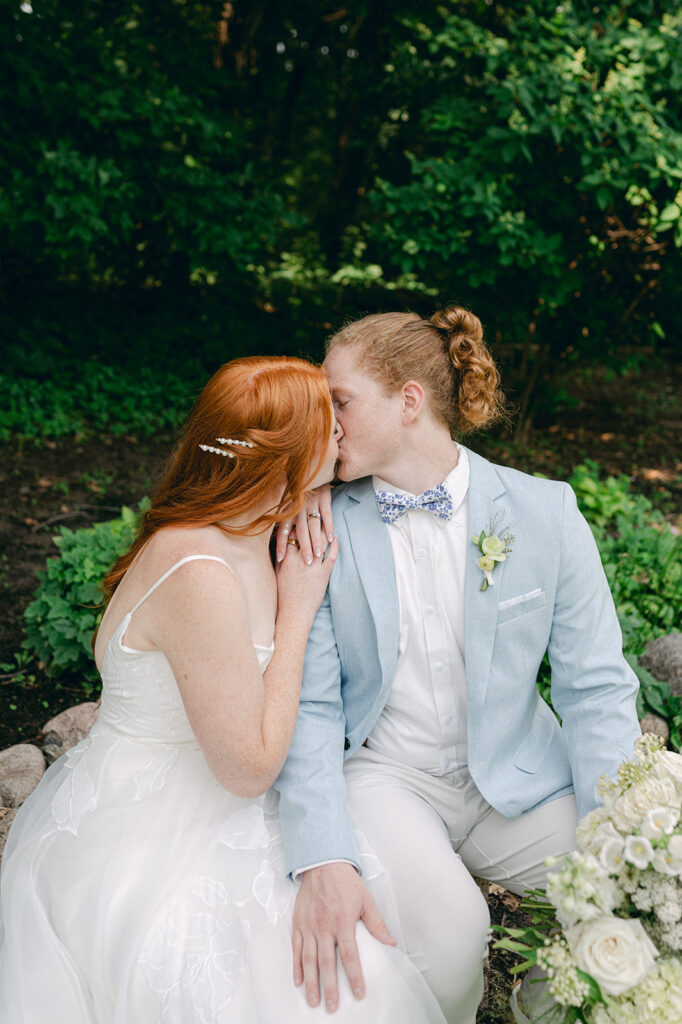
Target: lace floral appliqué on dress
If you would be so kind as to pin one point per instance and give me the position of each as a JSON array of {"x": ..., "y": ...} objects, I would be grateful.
[{"x": 136, "y": 890}]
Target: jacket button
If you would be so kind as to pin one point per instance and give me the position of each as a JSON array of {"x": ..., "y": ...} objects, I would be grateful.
[{"x": 346, "y": 744}]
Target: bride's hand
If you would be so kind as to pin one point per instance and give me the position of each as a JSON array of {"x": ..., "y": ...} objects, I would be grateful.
[
  {"x": 314, "y": 527},
  {"x": 301, "y": 586}
]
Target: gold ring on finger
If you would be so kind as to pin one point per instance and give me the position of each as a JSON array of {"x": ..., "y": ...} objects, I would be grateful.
[
  {"x": 314, "y": 515},
  {"x": 292, "y": 540}
]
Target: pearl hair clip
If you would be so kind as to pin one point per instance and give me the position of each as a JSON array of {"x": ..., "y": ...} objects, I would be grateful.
[
  {"x": 226, "y": 440},
  {"x": 230, "y": 440}
]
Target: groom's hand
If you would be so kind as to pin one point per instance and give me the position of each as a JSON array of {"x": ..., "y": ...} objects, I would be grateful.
[{"x": 331, "y": 901}]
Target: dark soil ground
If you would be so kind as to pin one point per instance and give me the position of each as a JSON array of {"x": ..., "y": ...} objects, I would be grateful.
[{"x": 629, "y": 425}]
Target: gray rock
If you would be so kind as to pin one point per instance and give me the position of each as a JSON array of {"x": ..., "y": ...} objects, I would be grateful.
[
  {"x": 655, "y": 724},
  {"x": 6, "y": 819},
  {"x": 67, "y": 729},
  {"x": 21, "y": 769},
  {"x": 531, "y": 1000},
  {"x": 663, "y": 658}
]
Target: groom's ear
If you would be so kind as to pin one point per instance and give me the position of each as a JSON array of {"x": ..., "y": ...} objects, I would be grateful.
[{"x": 413, "y": 396}]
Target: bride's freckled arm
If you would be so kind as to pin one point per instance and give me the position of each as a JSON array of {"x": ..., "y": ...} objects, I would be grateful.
[{"x": 242, "y": 720}]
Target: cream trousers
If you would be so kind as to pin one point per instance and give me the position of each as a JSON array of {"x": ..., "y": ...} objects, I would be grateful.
[{"x": 432, "y": 833}]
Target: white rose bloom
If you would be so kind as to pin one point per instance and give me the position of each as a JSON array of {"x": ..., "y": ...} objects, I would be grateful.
[
  {"x": 659, "y": 822},
  {"x": 630, "y": 809},
  {"x": 493, "y": 547},
  {"x": 669, "y": 765},
  {"x": 638, "y": 851},
  {"x": 617, "y": 953}
]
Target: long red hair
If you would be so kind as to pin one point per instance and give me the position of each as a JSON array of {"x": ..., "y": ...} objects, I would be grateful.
[{"x": 282, "y": 406}]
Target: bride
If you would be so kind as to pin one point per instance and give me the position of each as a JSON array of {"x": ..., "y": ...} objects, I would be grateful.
[{"x": 142, "y": 880}]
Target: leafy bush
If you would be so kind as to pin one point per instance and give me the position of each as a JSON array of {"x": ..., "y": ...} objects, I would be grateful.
[
  {"x": 90, "y": 397},
  {"x": 67, "y": 607},
  {"x": 655, "y": 695},
  {"x": 602, "y": 500},
  {"x": 538, "y": 166},
  {"x": 642, "y": 559},
  {"x": 641, "y": 555}
]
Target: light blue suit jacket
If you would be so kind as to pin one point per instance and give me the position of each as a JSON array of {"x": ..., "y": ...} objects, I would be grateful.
[{"x": 518, "y": 754}]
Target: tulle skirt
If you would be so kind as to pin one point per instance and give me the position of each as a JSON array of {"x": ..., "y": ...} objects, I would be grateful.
[{"x": 136, "y": 890}]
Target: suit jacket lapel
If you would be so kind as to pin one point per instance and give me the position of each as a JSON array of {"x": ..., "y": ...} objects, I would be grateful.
[
  {"x": 480, "y": 606},
  {"x": 374, "y": 561}
]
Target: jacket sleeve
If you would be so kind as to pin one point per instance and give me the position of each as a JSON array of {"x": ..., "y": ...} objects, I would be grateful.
[
  {"x": 594, "y": 690},
  {"x": 314, "y": 821}
]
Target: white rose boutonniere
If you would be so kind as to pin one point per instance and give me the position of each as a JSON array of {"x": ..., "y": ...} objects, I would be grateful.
[{"x": 494, "y": 548}]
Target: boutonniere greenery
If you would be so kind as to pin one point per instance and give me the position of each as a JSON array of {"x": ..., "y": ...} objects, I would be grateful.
[{"x": 495, "y": 546}]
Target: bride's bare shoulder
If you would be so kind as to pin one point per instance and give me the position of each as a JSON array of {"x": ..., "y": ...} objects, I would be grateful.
[{"x": 172, "y": 543}]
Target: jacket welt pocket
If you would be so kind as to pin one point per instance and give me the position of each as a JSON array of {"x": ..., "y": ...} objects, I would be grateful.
[{"x": 521, "y": 607}]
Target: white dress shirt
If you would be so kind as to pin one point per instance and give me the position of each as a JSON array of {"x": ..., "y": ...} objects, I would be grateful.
[{"x": 423, "y": 723}]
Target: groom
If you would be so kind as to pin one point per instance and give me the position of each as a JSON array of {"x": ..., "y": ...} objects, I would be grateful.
[{"x": 423, "y": 679}]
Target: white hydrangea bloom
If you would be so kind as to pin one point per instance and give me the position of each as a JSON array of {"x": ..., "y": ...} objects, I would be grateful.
[
  {"x": 672, "y": 937},
  {"x": 632, "y": 807},
  {"x": 669, "y": 912},
  {"x": 656, "y": 1000},
  {"x": 589, "y": 832}
]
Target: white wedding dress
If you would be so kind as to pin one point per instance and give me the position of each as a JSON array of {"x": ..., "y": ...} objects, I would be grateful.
[{"x": 136, "y": 890}]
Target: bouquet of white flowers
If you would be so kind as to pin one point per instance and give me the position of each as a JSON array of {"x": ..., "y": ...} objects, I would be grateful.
[{"x": 607, "y": 934}]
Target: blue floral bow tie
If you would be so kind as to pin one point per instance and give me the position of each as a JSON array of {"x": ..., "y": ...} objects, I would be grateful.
[{"x": 436, "y": 500}]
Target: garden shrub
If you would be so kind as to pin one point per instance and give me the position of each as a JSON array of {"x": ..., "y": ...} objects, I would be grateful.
[
  {"x": 93, "y": 398},
  {"x": 642, "y": 559},
  {"x": 67, "y": 607}
]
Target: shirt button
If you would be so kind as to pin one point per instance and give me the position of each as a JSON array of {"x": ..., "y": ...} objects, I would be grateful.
[
  {"x": 421, "y": 553},
  {"x": 438, "y": 666},
  {"x": 448, "y": 719},
  {"x": 428, "y": 611},
  {"x": 448, "y": 765}
]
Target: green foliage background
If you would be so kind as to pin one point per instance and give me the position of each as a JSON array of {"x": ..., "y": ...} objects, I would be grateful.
[{"x": 195, "y": 181}]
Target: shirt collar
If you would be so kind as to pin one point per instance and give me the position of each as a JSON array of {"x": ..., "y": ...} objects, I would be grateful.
[{"x": 457, "y": 482}]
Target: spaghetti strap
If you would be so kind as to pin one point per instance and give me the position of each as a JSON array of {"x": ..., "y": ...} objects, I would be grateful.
[{"x": 187, "y": 558}]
